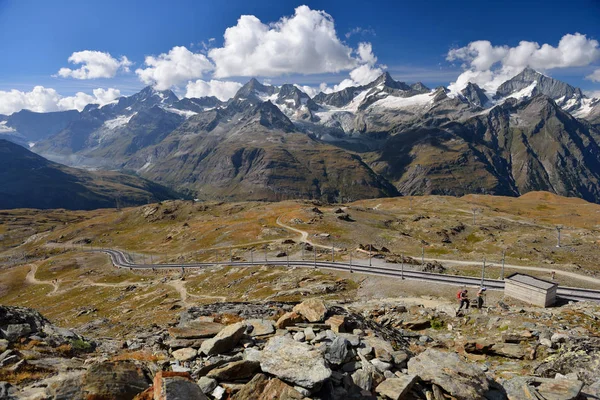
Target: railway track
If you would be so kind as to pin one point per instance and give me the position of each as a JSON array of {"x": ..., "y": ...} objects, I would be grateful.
[{"x": 120, "y": 260}]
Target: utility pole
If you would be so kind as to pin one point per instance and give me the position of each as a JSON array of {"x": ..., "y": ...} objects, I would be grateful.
[
  {"x": 230, "y": 255},
  {"x": 503, "y": 258},
  {"x": 315, "y": 249},
  {"x": 351, "y": 262},
  {"x": 475, "y": 210},
  {"x": 303, "y": 245},
  {"x": 422, "y": 255},
  {"x": 332, "y": 253},
  {"x": 287, "y": 254},
  {"x": 558, "y": 229},
  {"x": 483, "y": 272},
  {"x": 251, "y": 257},
  {"x": 266, "y": 255},
  {"x": 216, "y": 256},
  {"x": 370, "y": 249},
  {"x": 402, "y": 267}
]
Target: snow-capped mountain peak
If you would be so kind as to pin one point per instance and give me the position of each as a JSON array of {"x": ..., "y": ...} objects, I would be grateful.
[{"x": 530, "y": 82}]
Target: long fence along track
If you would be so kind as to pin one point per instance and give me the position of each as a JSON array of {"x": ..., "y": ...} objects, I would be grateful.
[{"x": 120, "y": 260}]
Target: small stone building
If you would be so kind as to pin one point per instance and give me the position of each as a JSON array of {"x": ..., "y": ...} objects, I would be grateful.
[{"x": 529, "y": 289}]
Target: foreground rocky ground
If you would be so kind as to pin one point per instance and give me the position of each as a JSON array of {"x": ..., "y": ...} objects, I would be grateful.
[{"x": 312, "y": 350}]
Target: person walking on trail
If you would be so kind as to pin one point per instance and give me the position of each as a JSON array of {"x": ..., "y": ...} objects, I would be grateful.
[
  {"x": 463, "y": 297},
  {"x": 480, "y": 295}
]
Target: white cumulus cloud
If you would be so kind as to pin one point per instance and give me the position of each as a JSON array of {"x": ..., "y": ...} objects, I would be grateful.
[
  {"x": 305, "y": 43},
  {"x": 94, "y": 64},
  {"x": 42, "y": 99},
  {"x": 594, "y": 76},
  {"x": 80, "y": 100},
  {"x": 488, "y": 65},
  {"x": 365, "y": 53},
  {"x": 174, "y": 68},
  {"x": 222, "y": 90}
]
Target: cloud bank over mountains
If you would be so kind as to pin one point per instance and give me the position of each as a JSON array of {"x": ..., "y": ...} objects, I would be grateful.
[
  {"x": 41, "y": 99},
  {"x": 305, "y": 43},
  {"x": 489, "y": 66}
]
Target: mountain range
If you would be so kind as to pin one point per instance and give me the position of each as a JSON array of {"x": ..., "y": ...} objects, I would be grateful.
[
  {"x": 28, "y": 180},
  {"x": 386, "y": 138}
]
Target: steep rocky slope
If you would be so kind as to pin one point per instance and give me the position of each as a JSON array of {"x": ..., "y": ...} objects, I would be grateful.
[
  {"x": 514, "y": 148},
  {"x": 254, "y": 152},
  {"x": 30, "y": 181}
]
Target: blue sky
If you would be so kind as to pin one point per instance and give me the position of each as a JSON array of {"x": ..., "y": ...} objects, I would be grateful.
[{"x": 410, "y": 39}]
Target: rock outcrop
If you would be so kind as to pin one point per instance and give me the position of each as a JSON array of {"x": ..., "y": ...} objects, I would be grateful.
[{"x": 501, "y": 353}]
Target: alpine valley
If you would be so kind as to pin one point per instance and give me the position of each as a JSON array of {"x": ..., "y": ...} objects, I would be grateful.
[{"x": 386, "y": 138}]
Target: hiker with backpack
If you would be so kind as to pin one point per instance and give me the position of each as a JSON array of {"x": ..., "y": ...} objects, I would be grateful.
[{"x": 463, "y": 298}]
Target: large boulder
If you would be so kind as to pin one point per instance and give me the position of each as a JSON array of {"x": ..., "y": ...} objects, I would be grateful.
[
  {"x": 510, "y": 350},
  {"x": 288, "y": 319},
  {"x": 185, "y": 354},
  {"x": 261, "y": 388},
  {"x": 253, "y": 389},
  {"x": 260, "y": 327},
  {"x": 176, "y": 386},
  {"x": 197, "y": 331},
  {"x": 65, "y": 386},
  {"x": 17, "y": 322},
  {"x": 224, "y": 341},
  {"x": 276, "y": 389},
  {"x": 118, "y": 380},
  {"x": 396, "y": 388},
  {"x": 383, "y": 350},
  {"x": 313, "y": 310},
  {"x": 461, "y": 379},
  {"x": 294, "y": 362},
  {"x": 236, "y": 370},
  {"x": 529, "y": 387},
  {"x": 337, "y": 351}
]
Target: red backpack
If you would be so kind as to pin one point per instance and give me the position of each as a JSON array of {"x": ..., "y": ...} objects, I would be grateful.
[{"x": 458, "y": 294}]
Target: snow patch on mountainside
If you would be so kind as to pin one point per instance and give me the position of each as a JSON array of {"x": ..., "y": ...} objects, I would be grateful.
[
  {"x": 404, "y": 102},
  {"x": 523, "y": 93},
  {"x": 6, "y": 130},
  {"x": 183, "y": 113},
  {"x": 119, "y": 121},
  {"x": 356, "y": 101},
  {"x": 265, "y": 96},
  {"x": 587, "y": 105}
]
